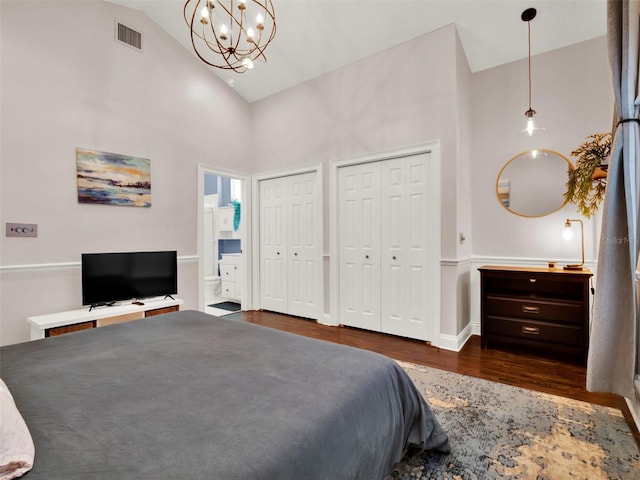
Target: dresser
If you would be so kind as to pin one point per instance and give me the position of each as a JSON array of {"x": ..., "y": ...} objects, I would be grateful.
[{"x": 545, "y": 309}]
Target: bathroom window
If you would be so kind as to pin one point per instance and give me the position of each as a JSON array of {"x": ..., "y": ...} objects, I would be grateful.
[{"x": 236, "y": 189}]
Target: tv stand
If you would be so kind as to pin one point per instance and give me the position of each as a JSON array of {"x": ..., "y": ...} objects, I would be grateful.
[{"x": 65, "y": 322}]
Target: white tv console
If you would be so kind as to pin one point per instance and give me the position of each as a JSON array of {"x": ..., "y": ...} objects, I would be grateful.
[{"x": 65, "y": 322}]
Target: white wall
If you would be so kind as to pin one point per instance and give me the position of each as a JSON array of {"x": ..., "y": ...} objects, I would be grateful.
[
  {"x": 66, "y": 83},
  {"x": 372, "y": 106},
  {"x": 573, "y": 96},
  {"x": 464, "y": 131},
  {"x": 403, "y": 96}
]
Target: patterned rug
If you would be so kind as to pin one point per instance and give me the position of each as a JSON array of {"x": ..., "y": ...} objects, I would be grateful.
[{"x": 498, "y": 432}]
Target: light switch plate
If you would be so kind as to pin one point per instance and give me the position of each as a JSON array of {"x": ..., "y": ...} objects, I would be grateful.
[{"x": 22, "y": 229}]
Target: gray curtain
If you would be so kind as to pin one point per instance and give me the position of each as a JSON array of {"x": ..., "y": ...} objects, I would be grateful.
[{"x": 612, "y": 362}]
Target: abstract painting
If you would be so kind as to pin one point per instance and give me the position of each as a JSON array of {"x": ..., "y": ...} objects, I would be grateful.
[{"x": 113, "y": 179}]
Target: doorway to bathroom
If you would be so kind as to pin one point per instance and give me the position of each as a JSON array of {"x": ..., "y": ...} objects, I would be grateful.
[{"x": 221, "y": 240}]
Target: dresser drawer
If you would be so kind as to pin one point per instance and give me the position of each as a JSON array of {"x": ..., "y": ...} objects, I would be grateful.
[
  {"x": 546, "y": 333},
  {"x": 535, "y": 285},
  {"x": 534, "y": 309}
]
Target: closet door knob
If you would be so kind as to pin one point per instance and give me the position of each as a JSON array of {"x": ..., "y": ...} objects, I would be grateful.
[
  {"x": 278, "y": 253},
  {"x": 366, "y": 256},
  {"x": 394, "y": 257},
  {"x": 296, "y": 254}
]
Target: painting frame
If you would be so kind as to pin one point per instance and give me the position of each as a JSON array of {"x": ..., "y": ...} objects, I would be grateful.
[{"x": 107, "y": 178}]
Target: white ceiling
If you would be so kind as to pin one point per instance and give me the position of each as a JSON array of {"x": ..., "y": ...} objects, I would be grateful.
[{"x": 316, "y": 36}]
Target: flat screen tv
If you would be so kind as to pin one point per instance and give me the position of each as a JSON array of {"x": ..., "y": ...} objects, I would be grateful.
[{"x": 111, "y": 277}]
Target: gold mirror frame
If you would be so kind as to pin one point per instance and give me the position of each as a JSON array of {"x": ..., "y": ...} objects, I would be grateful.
[{"x": 532, "y": 178}]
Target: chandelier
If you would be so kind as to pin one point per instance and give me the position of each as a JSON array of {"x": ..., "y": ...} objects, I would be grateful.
[{"x": 230, "y": 34}]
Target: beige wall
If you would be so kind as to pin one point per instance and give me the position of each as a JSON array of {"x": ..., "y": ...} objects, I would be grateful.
[
  {"x": 66, "y": 83},
  {"x": 403, "y": 96},
  {"x": 573, "y": 96}
]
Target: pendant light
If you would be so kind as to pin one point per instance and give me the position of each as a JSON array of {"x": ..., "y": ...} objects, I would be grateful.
[
  {"x": 531, "y": 128},
  {"x": 230, "y": 34}
]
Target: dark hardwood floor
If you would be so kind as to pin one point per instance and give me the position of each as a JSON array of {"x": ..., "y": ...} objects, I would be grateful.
[{"x": 517, "y": 368}]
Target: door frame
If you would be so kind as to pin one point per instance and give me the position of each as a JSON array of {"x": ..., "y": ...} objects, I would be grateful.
[
  {"x": 435, "y": 212},
  {"x": 245, "y": 201},
  {"x": 255, "y": 239}
]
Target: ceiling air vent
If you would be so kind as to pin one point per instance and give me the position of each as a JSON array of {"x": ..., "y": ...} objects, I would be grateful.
[{"x": 128, "y": 36}]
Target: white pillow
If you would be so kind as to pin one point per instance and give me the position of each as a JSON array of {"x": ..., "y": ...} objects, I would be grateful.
[{"x": 16, "y": 445}]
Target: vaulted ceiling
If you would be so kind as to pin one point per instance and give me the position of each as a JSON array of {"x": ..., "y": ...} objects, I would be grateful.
[{"x": 317, "y": 36}]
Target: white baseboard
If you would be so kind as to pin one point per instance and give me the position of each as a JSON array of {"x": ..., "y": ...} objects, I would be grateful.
[
  {"x": 455, "y": 342},
  {"x": 634, "y": 404},
  {"x": 475, "y": 328},
  {"x": 446, "y": 342},
  {"x": 634, "y": 408}
]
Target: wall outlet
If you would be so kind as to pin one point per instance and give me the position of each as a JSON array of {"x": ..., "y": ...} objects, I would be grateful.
[{"x": 22, "y": 229}]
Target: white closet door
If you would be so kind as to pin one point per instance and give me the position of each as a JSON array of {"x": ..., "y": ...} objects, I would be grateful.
[
  {"x": 405, "y": 242},
  {"x": 359, "y": 240},
  {"x": 273, "y": 245},
  {"x": 303, "y": 268}
]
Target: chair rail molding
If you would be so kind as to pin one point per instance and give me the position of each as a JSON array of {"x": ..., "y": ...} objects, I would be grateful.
[
  {"x": 455, "y": 262},
  {"x": 70, "y": 265}
]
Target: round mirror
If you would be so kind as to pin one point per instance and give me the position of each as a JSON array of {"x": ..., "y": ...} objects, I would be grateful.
[{"x": 532, "y": 184}]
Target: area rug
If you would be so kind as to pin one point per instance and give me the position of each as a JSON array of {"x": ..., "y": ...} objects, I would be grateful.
[
  {"x": 498, "y": 431},
  {"x": 229, "y": 306}
]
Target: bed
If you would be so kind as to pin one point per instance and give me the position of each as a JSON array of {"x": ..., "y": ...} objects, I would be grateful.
[{"x": 188, "y": 395}]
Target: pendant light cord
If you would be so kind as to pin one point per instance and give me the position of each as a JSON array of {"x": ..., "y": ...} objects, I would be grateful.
[
  {"x": 528, "y": 15},
  {"x": 529, "y": 41}
]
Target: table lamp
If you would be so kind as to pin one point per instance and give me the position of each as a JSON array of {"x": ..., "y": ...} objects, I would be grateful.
[{"x": 567, "y": 235}]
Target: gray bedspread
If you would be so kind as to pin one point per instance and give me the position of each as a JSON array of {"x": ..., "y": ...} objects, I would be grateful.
[{"x": 191, "y": 396}]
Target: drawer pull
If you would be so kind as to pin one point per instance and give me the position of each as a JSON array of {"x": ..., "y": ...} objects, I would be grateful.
[
  {"x": 533, "y": 280},
  {"x": 531, "y": 330},
  {"x": 527, "y": 309}
]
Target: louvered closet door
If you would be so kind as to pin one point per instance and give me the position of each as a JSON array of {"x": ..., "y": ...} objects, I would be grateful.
[
  {"x": 303, "y": 268},
  {"x": 273, "y": 245},
  {"x": 405, "y": 241},
  {"x": 359, "y": 239}
]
